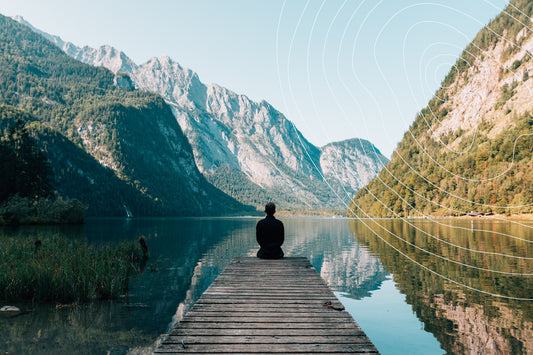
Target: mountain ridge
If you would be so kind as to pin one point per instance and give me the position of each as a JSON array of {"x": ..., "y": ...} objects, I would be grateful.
[{"x": 245, "y": 142}]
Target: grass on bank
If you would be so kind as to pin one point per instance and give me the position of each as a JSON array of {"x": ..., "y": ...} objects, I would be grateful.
[{"x": 56, "y": 269}]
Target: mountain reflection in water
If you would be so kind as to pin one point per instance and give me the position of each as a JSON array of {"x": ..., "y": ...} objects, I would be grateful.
[
  {"x": 464, "y": 321},
  {"x": 187, "y": 254}
]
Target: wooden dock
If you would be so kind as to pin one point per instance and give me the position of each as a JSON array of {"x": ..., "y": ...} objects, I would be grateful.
[{"x": 267, "y": 307}]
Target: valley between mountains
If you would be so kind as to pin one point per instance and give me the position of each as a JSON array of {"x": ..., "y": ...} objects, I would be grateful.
[{"x": 154, "y": 139}]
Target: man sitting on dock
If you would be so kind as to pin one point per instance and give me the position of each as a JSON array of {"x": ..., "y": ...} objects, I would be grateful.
[{"x": 270, "y": 234}]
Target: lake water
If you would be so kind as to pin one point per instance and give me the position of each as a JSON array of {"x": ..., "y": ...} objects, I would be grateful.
[{"x": 442, "y": 293}]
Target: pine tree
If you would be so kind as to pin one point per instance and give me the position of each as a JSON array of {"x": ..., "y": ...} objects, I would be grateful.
[{"x": 25, "y": 169}]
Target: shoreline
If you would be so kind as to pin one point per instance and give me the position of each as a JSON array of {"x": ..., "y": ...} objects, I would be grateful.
[
  {"x": 522, "y": 217},
  {"x": 31, "y": 219}
]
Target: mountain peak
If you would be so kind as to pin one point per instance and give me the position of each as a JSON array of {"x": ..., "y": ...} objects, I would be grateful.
[
  {"x": 54, "y": 39},
  {"x": 165, "y": 58},
  {"x": 21, "y": 20},
  {"x": 360, "y": 143}
]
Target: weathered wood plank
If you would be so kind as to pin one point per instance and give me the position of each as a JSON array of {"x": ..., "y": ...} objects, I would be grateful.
[
  {"x": 253, "y": 309},
  {"x": 356, "y": 331},
  {"x": 267, "y": 294},
  {"x": 267, "y": 307},
  {"x": 266, "y": 286},
  {"x": 272, "y": 319},
  {"x": 261, "y": 315},
  {"x": 272, "y": 283},
  {"x": 281, "y": 302},
  {"x": 280, "y": 290},
  {"x": 272, "y": 348},
  {"x": 272, "y": 274},
  {"x": 257, "y": 353},
  {"x": 250, "y": 325},
  {"x": 267, "y": 302},
  {"x": 265, "y": 339},
  {"x": 265, "y": 298}
]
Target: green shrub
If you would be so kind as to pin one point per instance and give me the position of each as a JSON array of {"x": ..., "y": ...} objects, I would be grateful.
[{"x": 22, "y": 210}]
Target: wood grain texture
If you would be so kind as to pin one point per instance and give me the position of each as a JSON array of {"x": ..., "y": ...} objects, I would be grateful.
[{"x": 267, "y": 307}]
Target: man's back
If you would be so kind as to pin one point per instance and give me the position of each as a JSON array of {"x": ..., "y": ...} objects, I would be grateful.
[{"x": 270, "y": 235}]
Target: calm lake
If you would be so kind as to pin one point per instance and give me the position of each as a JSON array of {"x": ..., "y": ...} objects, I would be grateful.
[{"x": 415, "y": 287}]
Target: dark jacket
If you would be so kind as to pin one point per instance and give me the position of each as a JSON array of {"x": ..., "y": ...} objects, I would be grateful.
[{"x": 270, "y": 235}]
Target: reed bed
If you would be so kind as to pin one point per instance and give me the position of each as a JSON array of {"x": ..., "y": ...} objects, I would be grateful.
[{"x": 62, "y": 270}]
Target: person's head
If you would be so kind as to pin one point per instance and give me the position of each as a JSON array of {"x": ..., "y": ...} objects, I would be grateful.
[{"x": 270, "y": 209}]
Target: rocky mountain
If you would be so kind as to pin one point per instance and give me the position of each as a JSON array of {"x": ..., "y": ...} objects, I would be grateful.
[
  {"x": 351, "y": 164},
  {"x": 247, "y": 149},
  {"x": 471, "y": 148},
  {"x": 127, "y": 140}
]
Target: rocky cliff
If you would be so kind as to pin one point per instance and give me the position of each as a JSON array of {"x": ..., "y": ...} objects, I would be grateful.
[{"x": 471, "y": 148}]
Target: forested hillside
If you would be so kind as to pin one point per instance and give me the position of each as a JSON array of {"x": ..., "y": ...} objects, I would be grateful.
[
  {"x": 72, "y": 171},
  {"x": 471, "y": 148},
  {"x": 125, "y": 146}
]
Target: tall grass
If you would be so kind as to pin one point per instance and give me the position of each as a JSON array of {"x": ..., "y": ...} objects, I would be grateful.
[{"x": 64, "y": 270}]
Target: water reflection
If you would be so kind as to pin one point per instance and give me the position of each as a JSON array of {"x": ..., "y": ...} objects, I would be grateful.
[
  {"x": 463, "y": 320},
  {"x": 175, "y": 246},
  {"x": 342, "y": 262},
  {"x": 97, "y": 328},
  {"x": 188, "y": 254}
]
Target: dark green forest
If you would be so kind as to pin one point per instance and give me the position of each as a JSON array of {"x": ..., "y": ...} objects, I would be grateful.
[
  {"x": 488, "y": 175},
  {"x": 25, "y": 169},
  {"x": 27, "y": 186}
]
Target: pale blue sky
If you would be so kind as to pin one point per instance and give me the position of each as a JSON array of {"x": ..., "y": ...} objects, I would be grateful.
[{"x": 337, "y": 69}]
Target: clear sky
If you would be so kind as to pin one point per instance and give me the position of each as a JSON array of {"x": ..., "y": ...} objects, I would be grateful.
[{"x": 337, "y": 69}]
